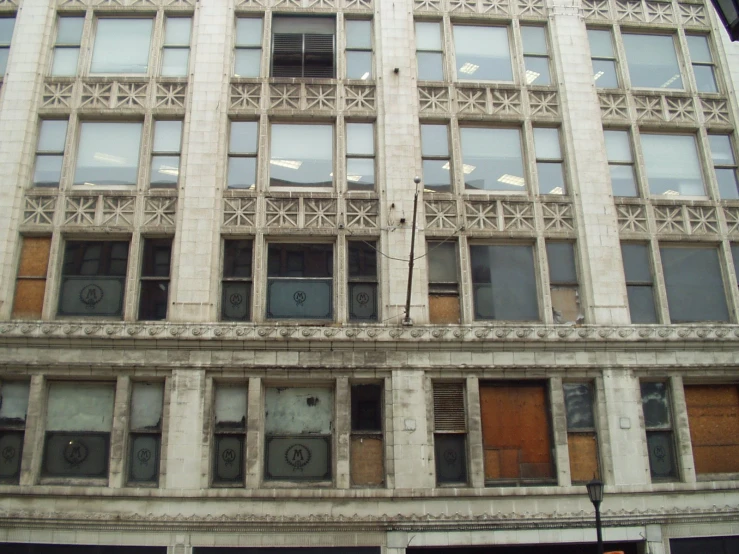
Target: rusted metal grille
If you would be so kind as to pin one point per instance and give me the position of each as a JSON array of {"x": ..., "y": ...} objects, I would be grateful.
[{"x": 449, "y": 412}]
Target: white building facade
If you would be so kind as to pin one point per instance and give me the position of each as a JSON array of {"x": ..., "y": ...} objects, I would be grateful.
[{"x": 206, "y": 222}]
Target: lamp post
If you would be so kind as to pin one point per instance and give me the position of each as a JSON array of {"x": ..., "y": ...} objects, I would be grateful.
[
  {"x": 728, "y": 11},
  {"x": 595, "y": 492}
]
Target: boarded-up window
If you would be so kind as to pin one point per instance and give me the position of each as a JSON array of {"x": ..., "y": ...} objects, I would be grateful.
[
  {"x": 581, "y": 434},
  {"x": 658, "y": 425},
  {"x": 298, "y": 423},
  {"x": 367, "y": 452},
  {"x": 31, "y": 283},
  {"x": 13, "y": 409},
  {"x": 450, "y": 433},
  {"x": 146, "y": 432},
  {"x": 713, "y": 415},
  {"x": 443, "y": 282},
  {"x": 516, "y": 432},
  {"x": 229, "y": 433},
  {"x": 563, "y": 280}
]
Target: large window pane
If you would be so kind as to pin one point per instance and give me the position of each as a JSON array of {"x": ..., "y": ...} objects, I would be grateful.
[
  {"x": 672, "y": 165},
  {"x": 301, "y": 155},
  {"x": 482, "y": 53},
  {"x": 108, "y": 154},
  {"x": 121, "y": 46},
  {"x": 652, "y": 61},
  {"x": 492, "y": 159},
  {"x": 300, "y": 281}
]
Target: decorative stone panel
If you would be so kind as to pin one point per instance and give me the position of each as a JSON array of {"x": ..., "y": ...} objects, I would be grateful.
[
  {"x": 557, "y": 216},
  {"x": 57, "y": 95},
  {"x": 39, "y": 210},
  {"x": 543, "y": 103},
  {"x": 362, "y": 214},
  {"x": 481, "y": 215},
  {"x": 433, "y": 99},
  {"x": 319, "y": 212},
  {"x": 669, "y": 219},
  {"x": 632, "y": 218},
  {"x": 517, "y": 216},
  {"x": 118, "y": 210},
  {"x": 629, "y": 10},
  {"x": 505, "y": 102},
  {"x": 732, "y": 220},
  {"x": 613, "y": 106},
  {"x": 100, "y": 209},
  {"x": 126, "y": 3},
  {"x": 245, "y": 96},
  {"x": 441, "y": 214},
  {"x": 283, "y": 212},
  {"x": 80, "y": 210},
  {"x": 428, "y": 5},
  {"x": 715, "y": 112},
  {"x": 677, "y": 109},
  {"x": 471, "y": 100},
  {"x": 160, "y": 210},
  {"x": 686, "y": 220},
  {"x": 660, "y": 12},
  {"x": 596, "y": 9},
  {"x": 170, "y": 95},
  {"x": 531, "y": 8},
  {"x": 693, "y": 15},
  {"x": 239, "y": 212},
  {"x": 701, "y": 220},
  {"x": 359, "y": 98}
]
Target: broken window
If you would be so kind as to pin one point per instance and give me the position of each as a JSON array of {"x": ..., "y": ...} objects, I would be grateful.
[
  {"x": 229, "y": 433},
  {"x": 298, "y": 425},
  {"x": 658, "y": 425},
  {"x": 362, "y": 281},
  {"x": 443, "y": 282},
  {"x": 145, "y": 435},
  {"x": 564, "y": 288},
  {"x": 79, "y": 418},
  {"x": 582, "y": 439},
  {"x": 300, "y": 281},
  {"x": 516, "y": 433},
  {"x": 367, "y": 449},
  {"x": 450, "y": 433},
  {"x": 504, "y": 282},
  {"x": 303, "y": 47},
  {"x": 713, "y": 415},
  {"x": 13, "y": 410},
  {"x": 155, "y": 279},
  {"x": 639, "y": 283},
  {"x": 31, "y": 282},
  {"x": 237, "y": 276},
  {"x": 695, "y": 288},
  {"x": 93, "y": 278}
]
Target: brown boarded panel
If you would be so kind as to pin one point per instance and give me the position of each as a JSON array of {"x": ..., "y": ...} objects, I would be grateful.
[
  {"x": 492, "y": 464},
  {"x": 583, "y": 449},
  {"x": 367, "y": 454},
  {"x": 29, "y": 298},
  {"x": 443, "y": 308},
  {"x": 502, "y": 463},
  {"x": 713, "y": 416},
  {"x": 34, "y": 257},
  {"x": 716, "y": 459},
  {"x": 565, "y": 304},
  {"x": 449, "y": 412}
]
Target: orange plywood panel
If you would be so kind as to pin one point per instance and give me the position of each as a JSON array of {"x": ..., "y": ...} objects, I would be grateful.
[
  {"x": 367, "y": 454},
  {"x": 583, "y": 449},
  {"x": 29, "y": 298},
  {"x": 34, "y": 257},
  {"x": 443, "y": 309}
]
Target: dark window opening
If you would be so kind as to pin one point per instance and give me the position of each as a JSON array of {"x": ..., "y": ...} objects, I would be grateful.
[{"x": 303, "y": 47}]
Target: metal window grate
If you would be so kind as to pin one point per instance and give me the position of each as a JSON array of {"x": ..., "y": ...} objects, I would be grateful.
[{"x": 449, "y": 407}]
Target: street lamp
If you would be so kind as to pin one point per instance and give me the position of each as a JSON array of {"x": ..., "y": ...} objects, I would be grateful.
[
  {"x": 595, "y": 492},
  {"x": 728, "y": 11}
]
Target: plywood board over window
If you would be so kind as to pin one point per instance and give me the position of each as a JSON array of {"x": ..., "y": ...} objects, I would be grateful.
[
  {"x": 713, "y": 415},
  {"x": 516, "y": 432},
  {"x": 31, "y": 283}
]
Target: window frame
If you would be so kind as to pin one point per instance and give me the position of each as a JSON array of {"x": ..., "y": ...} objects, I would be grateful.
[
  {"x": 526, "y": 54},
  {"x": 150, "y": 65},
  {"x": 363, "y": 280},
  {"x": 229, "y": 430},
  {"x": 13, "y": 427},
  {"x": 50, "y": 153},
  {"x": 560, "y": 161},
  {"x": 584, "y": 430},
  {"x": 668, "y": 429},
  {"x": 359, "y": 435},
  {"x": 149, "y": 279},
  {"x": 257, "y": 46},
  {"x": 612, "y": 58},
  {"x": 297, "y": 186},
  {"x": 447, "y": 397},
  {"x": 698, "y": 160},
  {"x": 135, "y": 433},
  {"x": 640, "y": 283},
  {"x": 711, "y": 64},
  {"x": 440, "y": 51},
  {"x": 246, "y": 281},
  {"x": 154, "y": 153},
  {"x": 303, "y": 52},
  {"x": 165, "y": 47},
  {"x": 672, "y": 34},
  {"x": 59, "y": 46},
  {"x": 442, "y": 288},
  {"x": 350, "y": 155},
  {"x": 448, "y": 157},
  {"x": 734, "y": 166},
  {"x": 623, "y": 163},
  {"x": 350, "y": 49}
]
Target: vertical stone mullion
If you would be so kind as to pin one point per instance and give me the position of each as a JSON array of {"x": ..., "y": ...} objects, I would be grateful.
[{"x": 119, "y": 433}]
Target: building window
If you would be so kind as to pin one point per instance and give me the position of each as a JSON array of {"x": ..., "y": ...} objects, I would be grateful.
[
  {"x": 504, "y": 282},
  {"x": 155, "y": 270},
  {"x": 702, "y": 61},
  {"x": 482, "y": 53},
  {"x": 165, "y": 154},
  {"x": 30, "y": 285},
  {"x": 652, "y": 61},
  {"x": 549, "y": 161},
  {"x": 603, "y": 58},
  {"x": 443, "y": 282},
  {"x": 13, "y": 411},
  {"x": 229, "y": 434},
  {"x": 429, "y": 57},
  {"x": 713, "y": 415},
  {"x": 437, "y": 170},
  {"x": 300, "y": 281},
  {"x": 176, "y": 49},
  {"x": 50, "y": 153},
  {"x": 516, "y": 433},
  {"x": 145, "y": 434},
  {"x": 358, "y": 49},
  {"x": 297, "y": 427},
  {"x": 450, "y": 433},
  {"x": 367, "y": 449},
  {"x": 301, "y": 155},
  {"x": 7, "y": 24},
  {"x": 108, "y": 154},
  {"x": 639, "y": 283},
  {"x": 79, "y": 417},
  {"x": 67, "y": 46},
  {"x": 360, "y": 156},
  {"x": 735, "y": 256},
  {"x": 492, "y": 159},
  {"x": 695, "y": 289},
  {"x": 303, "y": 47},
  {"x": 248, "y": 48},
  {"x": 620, "y": 163},
  {"x": 362, "y": 281},
  {"x": 93, "y": 278},
  {"x": 582, "y": 441},
  {"x": 237, "y": 279},
  {"x": 724, "y": 166},
  {"x": 122, "y": 46},
  {"x": 672, "y": 165},
  {"x": 658, "y": 425},
  {"x": 535, "y": 55},
  {"x": 564, "y": 288},
  {"x": 242, "y": 155}
]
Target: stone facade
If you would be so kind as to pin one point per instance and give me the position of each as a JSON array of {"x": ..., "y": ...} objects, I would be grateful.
[{"x": 194, "y": 355}]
